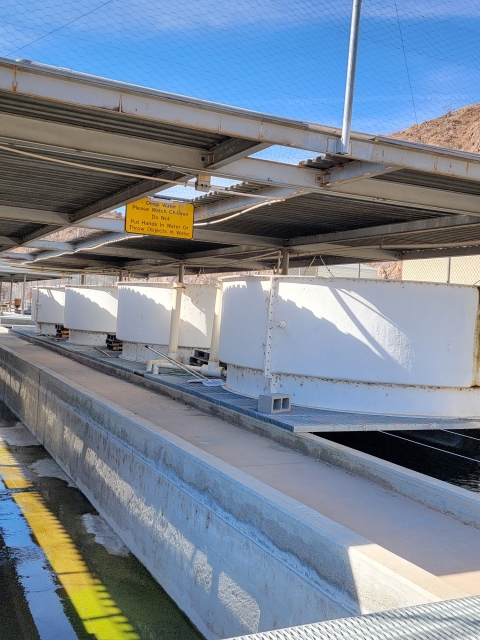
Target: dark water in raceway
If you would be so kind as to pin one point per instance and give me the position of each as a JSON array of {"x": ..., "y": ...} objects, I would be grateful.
[
  {"x": 64, "y": 574},
  {"x": 452, "y": 456}
]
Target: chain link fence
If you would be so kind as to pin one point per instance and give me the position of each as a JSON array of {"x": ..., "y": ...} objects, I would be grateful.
[{"x": 456, "y": 270}]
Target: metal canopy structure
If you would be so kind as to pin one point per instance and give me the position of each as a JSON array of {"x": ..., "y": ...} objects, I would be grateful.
[
  {"x": 10, "y": 274},
  {"x": 73, "y": 147}
]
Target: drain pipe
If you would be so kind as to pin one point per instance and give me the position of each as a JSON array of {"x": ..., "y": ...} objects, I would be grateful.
[
  {"x": 213, "y": 367},
  {"x": 344, "y": 143},
  {"x": 176, "y": 313}
]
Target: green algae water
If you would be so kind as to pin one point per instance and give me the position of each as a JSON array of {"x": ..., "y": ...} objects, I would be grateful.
[{"x": 64, "y": 573}]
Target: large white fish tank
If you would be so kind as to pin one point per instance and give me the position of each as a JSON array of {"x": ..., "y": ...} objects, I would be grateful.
[
  {"x": 90, "y": 314},
  {"x": 48, "y": 309},
  {"x": 373, "y": 346},
  {"x": 145, "y": 316}
]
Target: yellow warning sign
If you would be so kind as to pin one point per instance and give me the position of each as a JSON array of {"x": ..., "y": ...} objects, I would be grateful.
[{"x": 160, "y": 218}]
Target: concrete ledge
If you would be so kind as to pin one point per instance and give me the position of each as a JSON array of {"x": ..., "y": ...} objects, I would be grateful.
[
  {"x": 236, "y": 555},
  {"x": 454, "y": 501}
]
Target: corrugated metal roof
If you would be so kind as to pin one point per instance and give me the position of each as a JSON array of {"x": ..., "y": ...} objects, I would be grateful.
[
  {"x": 112, "y": 122},
  {"x": 431, "y": 181},
  {"x": 16, "y": 229},
  {"x": 172, "y": 246},
  {"x": 314, "y": 213},
  {"x": 244, "y": 187},
  {"x": 457, "y": 235},
  {"x": 40, "y": 184}
]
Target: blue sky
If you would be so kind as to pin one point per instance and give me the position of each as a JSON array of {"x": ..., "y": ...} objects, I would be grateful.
[{"x": 270, "y": 55}]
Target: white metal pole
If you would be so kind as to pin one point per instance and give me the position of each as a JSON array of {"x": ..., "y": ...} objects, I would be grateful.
[
  {"x": 213, "y": 359},
  {"x": 350, "y": 84},
  {"x": 176, "y": 314},
  {"x": 24, "y": 293}
]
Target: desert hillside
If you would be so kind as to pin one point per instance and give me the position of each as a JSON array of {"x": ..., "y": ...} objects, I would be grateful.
[{"x": 457, "y": 129}]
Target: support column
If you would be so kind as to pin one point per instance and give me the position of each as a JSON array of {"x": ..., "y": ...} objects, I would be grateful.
[
  {"x": 213, "y": 366},
  {"x": 279, "y": 264},
  {"x": 11, "y": 293},
  {"x": 176, "y": 313},
  {"x": 285, "y": 262},
  {"x": 24, "y": 294},
  {"x": 83, "y": 279},
  {"x": 1, "y": 292}
]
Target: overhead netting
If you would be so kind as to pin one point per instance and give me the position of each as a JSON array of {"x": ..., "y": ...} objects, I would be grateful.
[{"x": 418, "y": 59}]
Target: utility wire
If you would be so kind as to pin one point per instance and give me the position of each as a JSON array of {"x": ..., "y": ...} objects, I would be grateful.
[
  {"x": 463, "y": 435},
  {"x": 45, "y": 35},
  {"x": 406, "y": 63},
  {"x": 430, "y": 446},
  {"x": 239, "y": 213}
]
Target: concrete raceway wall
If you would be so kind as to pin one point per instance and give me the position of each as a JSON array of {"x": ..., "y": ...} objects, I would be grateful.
[{"x": 235, "y": 555}]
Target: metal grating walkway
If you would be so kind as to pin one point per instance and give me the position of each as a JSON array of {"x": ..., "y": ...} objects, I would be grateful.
[
  {"x": 299, "y": 420},
  {"x": 448, "y": 620}
]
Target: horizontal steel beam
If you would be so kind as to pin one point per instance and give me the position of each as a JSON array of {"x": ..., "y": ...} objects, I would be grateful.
[
  {"x": 22, "y": 214},
  {"x": 351, "y": 172},
  {"x": 125, "y": 252},
  {"x": 18, "y": 257},
  {"x": 417, "y": 226},
  {"x": 370, "y": 253},
  {"x": 225, "y": 252},
  {"x": 406, "y": 195},
  {"x": 80, "y": 144},
  {"x": 104, "y": 95},
  {"x": 271, "y": 173},
  {"x": 231, "y": 150},
  {"x": 203, "y": 234}
]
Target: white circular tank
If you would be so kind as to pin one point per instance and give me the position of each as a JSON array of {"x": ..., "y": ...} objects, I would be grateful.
[
  {"x": 374, "y": 346},
  {"x": 90, "y": 313},
  {"x": 48, "y": 309},
  {"x": 144, "y": 314}
]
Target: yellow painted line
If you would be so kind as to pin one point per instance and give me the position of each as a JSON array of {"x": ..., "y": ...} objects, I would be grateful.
[
  {"x": 11, "y": 472},
  {"x": 99, "y": 614}
]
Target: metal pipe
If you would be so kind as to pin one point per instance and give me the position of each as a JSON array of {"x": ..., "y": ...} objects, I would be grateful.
[
  {"x": 11, "y": 293},
  {"x": 177, "y": 363},
  {"x": 24, "y": 293},
  {"x": 285, "y": 262},
  {"x": 449, "y": 267},
  {"x": 176, "y": 313},
  {"x": 344, "y": 147}
]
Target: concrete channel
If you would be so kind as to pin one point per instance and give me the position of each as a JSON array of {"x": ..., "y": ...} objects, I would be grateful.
[
  {"x": 245, "y": 533},
  {"x": 64, "y": 573}
]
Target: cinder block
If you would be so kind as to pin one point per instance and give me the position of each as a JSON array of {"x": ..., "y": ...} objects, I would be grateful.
[{"x": 274, "y": 403}]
